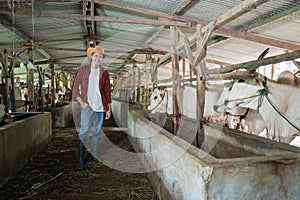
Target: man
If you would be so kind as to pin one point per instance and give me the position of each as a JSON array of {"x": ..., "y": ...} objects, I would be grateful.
[{"x": 91, "y": 88}]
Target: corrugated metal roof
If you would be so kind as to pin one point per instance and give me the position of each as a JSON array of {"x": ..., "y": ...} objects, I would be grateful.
[{"x": 63, "y": 41}]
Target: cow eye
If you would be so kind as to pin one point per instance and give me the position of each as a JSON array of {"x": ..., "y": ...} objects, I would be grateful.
[{"x": 155, "y": 97}]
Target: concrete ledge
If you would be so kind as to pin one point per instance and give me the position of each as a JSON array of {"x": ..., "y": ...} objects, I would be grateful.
[
  {"x": 229, "y": 165},
  {"x": 20, "y": 141},
  {"x": 62, "y": 116},
  {"x": 120, "y": 110}
]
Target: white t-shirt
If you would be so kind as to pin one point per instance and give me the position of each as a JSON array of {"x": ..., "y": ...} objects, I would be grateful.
[{"x": 93, "y": 94}]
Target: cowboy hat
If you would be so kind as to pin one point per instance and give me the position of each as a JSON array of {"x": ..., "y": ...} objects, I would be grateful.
[{"x": 91, "y": 50}]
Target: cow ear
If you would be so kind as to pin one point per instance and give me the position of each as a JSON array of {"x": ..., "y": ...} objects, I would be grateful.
[{"x": 161, "y": 95}]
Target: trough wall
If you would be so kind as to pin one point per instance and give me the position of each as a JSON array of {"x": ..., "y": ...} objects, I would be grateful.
[
  {"x": 241, "y": 166},
  {"x": 20, "y": 141},
  {"x": 62, "y": 116}
]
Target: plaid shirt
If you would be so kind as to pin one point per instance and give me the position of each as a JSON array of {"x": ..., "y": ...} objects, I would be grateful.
[{"x": 81, "y": 83}]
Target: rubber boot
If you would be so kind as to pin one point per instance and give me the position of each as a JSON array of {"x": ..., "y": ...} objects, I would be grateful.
[
  {"x": 81, "y": 149},
  {"x": 94, "y": 148}
]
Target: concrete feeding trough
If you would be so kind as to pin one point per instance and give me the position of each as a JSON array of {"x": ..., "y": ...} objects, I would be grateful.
[
  {"x": 20, "y": 141},
  {"x": 229, "y": 164},
  {"x": 62, "y": 115}
]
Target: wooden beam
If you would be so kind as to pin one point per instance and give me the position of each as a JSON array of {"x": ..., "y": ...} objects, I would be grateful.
[
  {"x": 5, "y": 78},
  {"x": 297, "y": 64},
  {"x": 257, "y": 63},
  {"x": 177, "y": 11},
  {"x": 12, "y": 82},
  {"x": 13, "y": 29},
  {"x": 256, "y": 38},
  {"x": 233, "y": 13},
  {"x": 187, "y": 46},
  {"x": 184, "y": 6},
  {"x": 230, "y": 15},
  {"x": 223, "y": 64},
  {"x": 144, "y": 11},
  {"x": 202, "y": 47},
  {"x": 94, "y": 33},
  {"x": 30, "y": 81},
  {"x": 200, "y": 70},
  {"x": 281, "y": 15},
  {"x": 51, "y": 66},
  {"x": 41, "y": 43},
  {"x": 229, "y": 76},
  {"x": 100, "y": 18},
  {"x": 175, "y": 75},
  {"x": 21, "y": 35}
]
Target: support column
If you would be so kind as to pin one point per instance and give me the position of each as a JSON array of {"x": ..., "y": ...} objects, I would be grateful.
[
  {"x": 11, "y": 73},
  {"x": 176, "y": 79},
  {"x": 30, "y": 81},
  {"x": 51, "y": 66},
  {"x": 200, "y": 72},
  {"x": 4, "y": 79}
]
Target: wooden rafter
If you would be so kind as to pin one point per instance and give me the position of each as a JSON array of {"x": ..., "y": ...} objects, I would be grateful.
[
  {"x": 256, "y": 38},
  {"x": 145, "y": 11},
  {"x": 21, "y": 35},
  {"x": 184, "y": 6},
  {"x": 257, "y": 63},
  {"x": 41, "y": 43},
  {"x": 232, "y": 14},
  {"x": 100, "y": 18}
]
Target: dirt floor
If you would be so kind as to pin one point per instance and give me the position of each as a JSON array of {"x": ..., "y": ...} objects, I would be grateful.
[{"x": 52, "y": 174}]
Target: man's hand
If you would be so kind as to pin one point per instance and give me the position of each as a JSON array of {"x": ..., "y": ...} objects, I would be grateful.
[
  {"x": 108, "y": 114},
  {"x": 85, "y": 106}
]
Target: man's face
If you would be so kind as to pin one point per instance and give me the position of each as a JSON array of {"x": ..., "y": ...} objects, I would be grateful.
[{"x": 97, "y": 58}]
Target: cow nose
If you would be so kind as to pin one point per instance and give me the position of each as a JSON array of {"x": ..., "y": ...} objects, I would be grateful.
[
  {"x": 226, "y": 102},
  {"x": 215, "y": 107}
]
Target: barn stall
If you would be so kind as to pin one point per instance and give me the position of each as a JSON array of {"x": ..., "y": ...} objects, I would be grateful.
[
  {"x": 213, "y": 46},
  {"x": 21, "y": 140}
]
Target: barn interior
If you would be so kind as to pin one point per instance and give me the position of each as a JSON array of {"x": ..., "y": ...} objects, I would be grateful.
[{"x": 193, "y": 48}]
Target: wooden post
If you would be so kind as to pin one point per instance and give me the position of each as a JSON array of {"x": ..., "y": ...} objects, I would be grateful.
[
  {"x": 4, "y": 79},
  {"x": 48, "y": 95},
  {"x": 11, "y": 73},
  {"x": 183, "y": 70},
  {"x": 40, "y": 89},
  {"x": 191, "y": 73},
  {"x": 134, "y": 83},
  {"x": 138, "y": 95},
  {"x": 175, "y": 75},
  {"x": 200, "y": 72},
  {"x": 30, "y": 81},
  {"x": 51, "y": 66}
]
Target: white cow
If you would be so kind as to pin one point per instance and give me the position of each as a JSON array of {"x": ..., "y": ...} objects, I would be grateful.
[
  {"x": 287, "y": 77},
  {"x": 161, "y": 102},
  {"x": 249, "y": 120},
  {"x": 279, "y": 107}
]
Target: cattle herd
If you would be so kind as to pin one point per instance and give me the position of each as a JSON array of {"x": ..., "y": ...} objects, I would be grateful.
[{"x": 260, "y": 106}]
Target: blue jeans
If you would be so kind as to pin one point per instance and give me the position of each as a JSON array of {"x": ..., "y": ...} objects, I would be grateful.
[{"x": 91, "y": 119}]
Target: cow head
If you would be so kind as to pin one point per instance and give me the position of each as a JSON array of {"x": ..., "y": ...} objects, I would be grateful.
[
  {"x": 158, "y": 101},
  {"x": 243, "y": 95}
]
